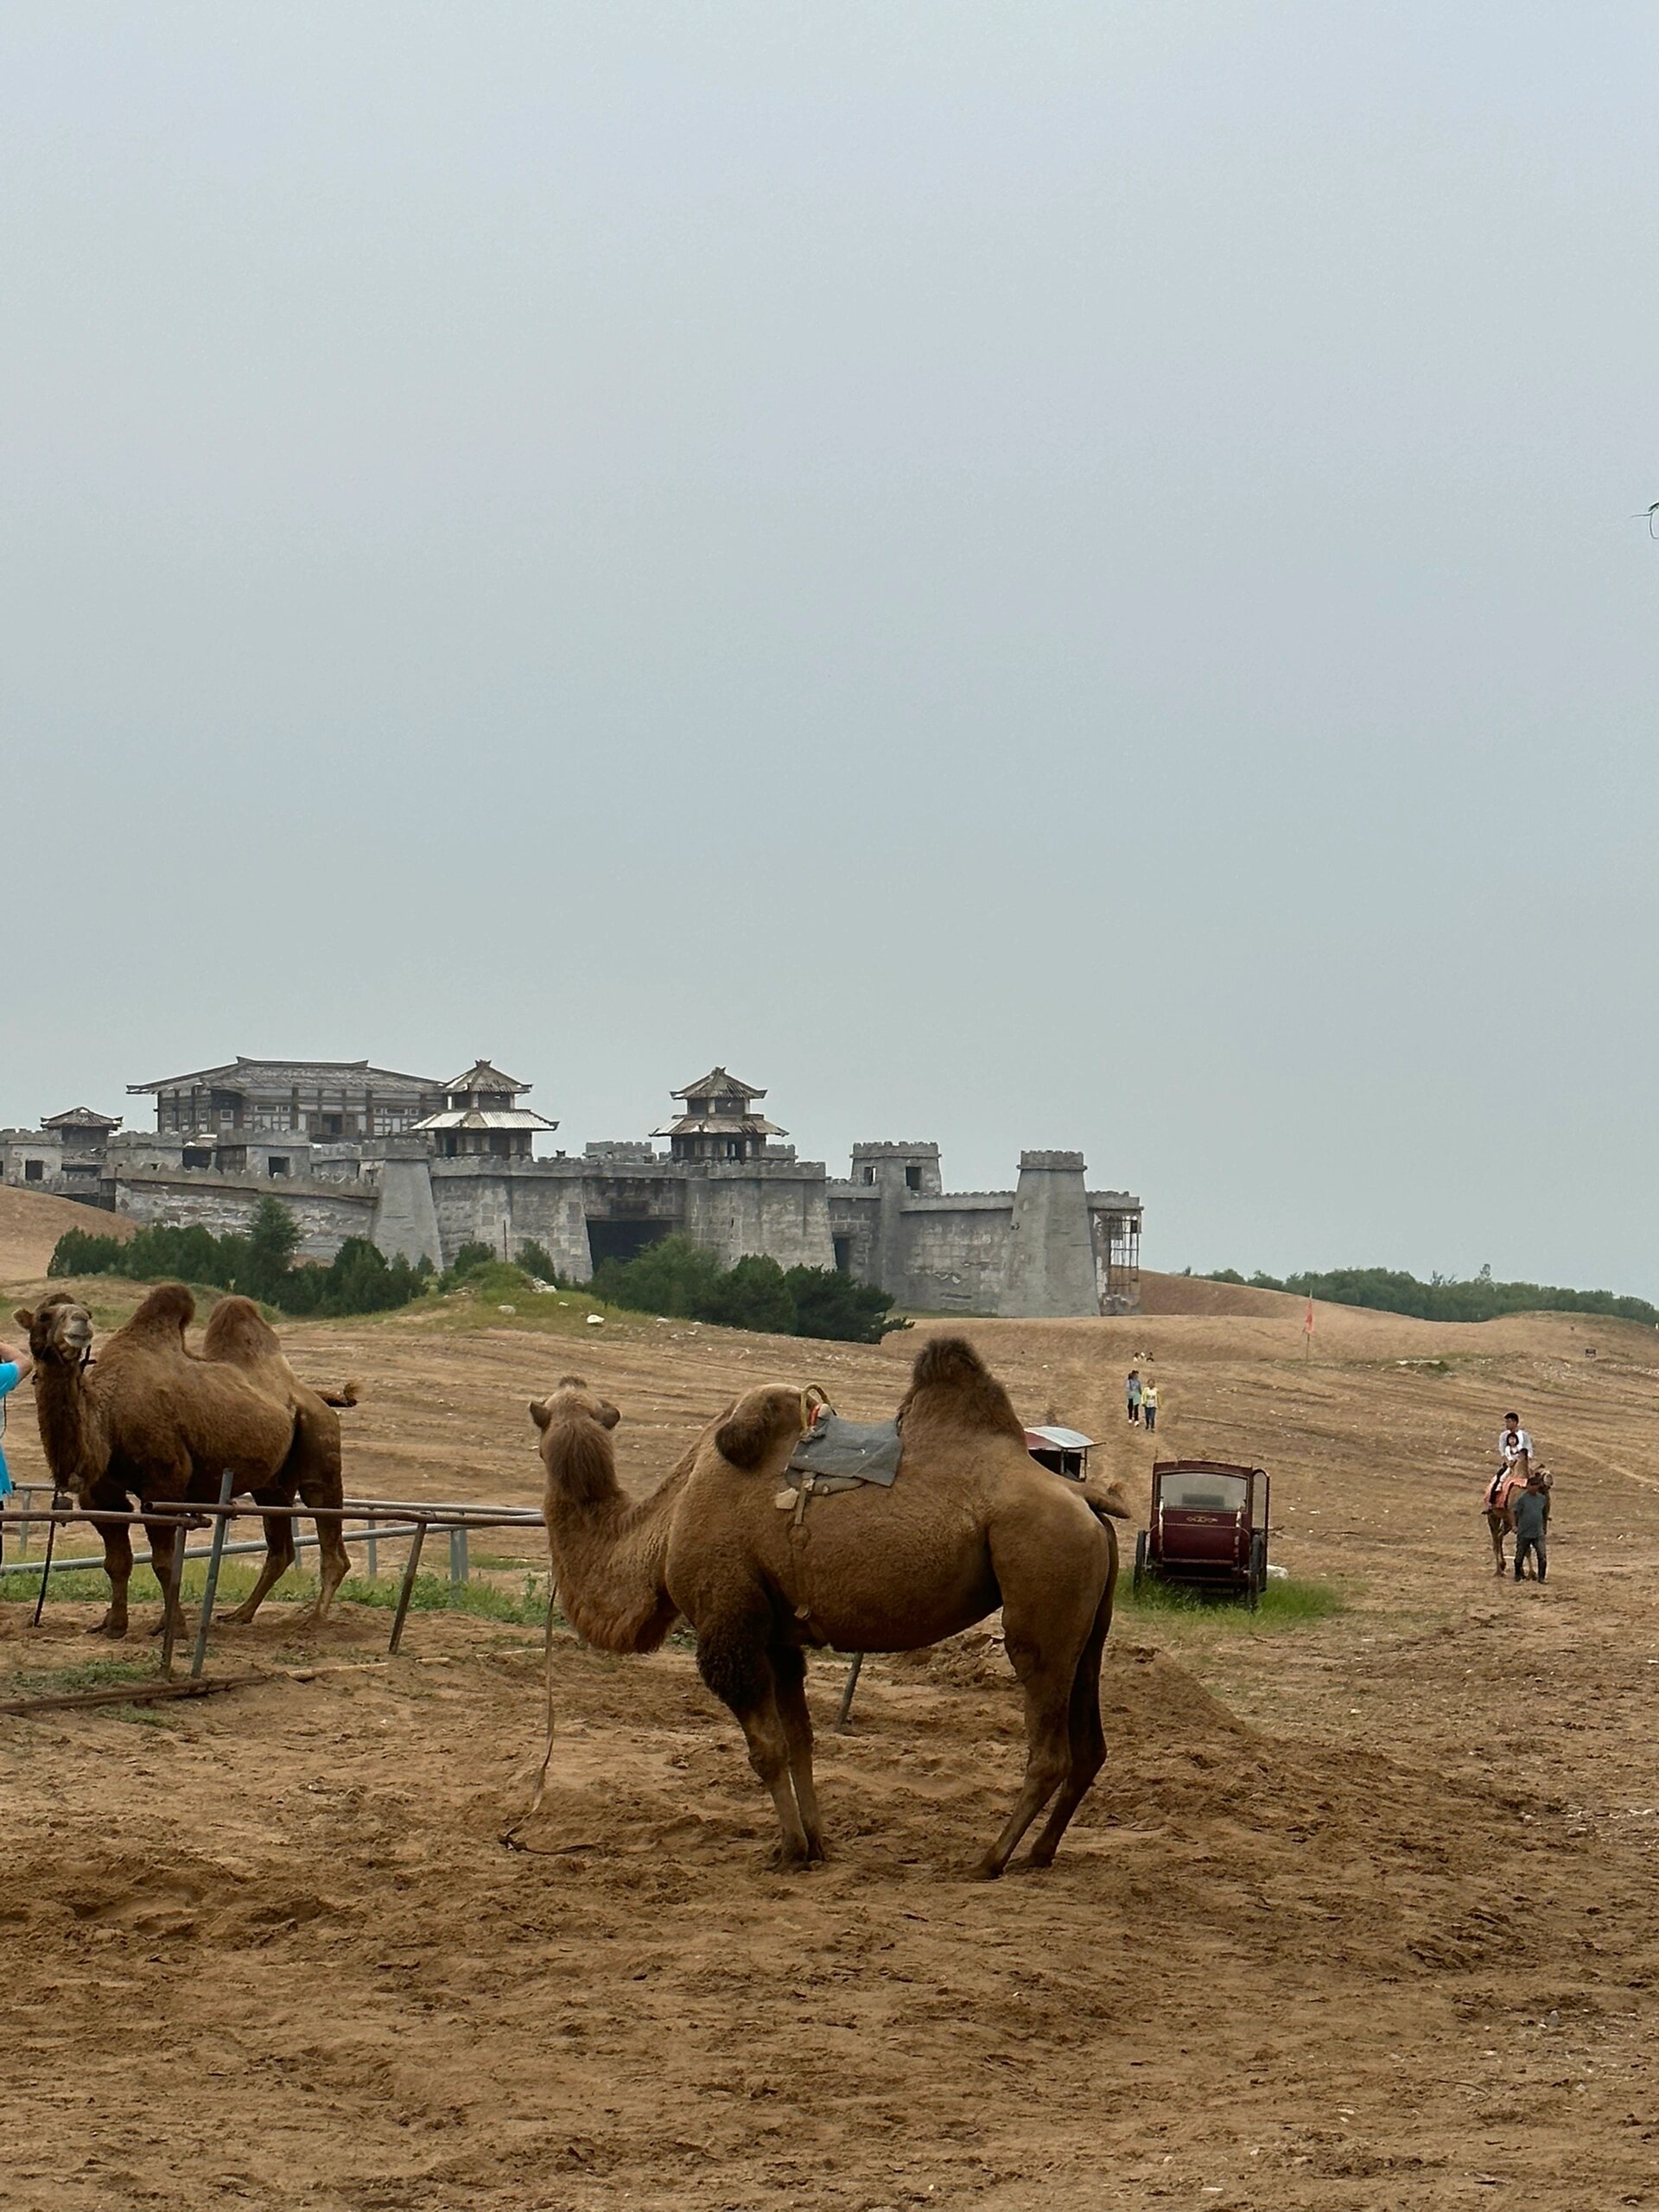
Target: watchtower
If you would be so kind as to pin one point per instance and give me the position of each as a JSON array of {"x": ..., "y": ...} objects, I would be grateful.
[
  {"x": 720, "y": 1121},
  {"x": 482, "y": 1118}
]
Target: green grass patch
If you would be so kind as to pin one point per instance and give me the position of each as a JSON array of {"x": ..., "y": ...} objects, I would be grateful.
[
  {"x": 1290, "y": 1603},
  {"x": 89, "y": 1675}
]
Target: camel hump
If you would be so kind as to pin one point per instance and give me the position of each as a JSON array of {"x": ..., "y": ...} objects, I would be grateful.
[
  {"x": 237, "y": 1330},
  {"x": 168, "y": 1310},
  {"x": 951, "y": 1383}
]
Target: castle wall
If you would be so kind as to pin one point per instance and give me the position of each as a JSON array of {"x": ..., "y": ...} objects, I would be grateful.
[
  {"x": 505, "y": 1204},
  {"x": 188, "y": 1199},
  {"x": 955, "y": 1252},
  {"x": 777, "y": 1208}
]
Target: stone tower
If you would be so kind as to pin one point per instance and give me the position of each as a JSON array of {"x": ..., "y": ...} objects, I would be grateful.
[{"x": 1051, "y": 1250}]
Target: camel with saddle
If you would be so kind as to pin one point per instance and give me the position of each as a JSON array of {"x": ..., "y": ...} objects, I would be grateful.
[
  {"x": 1499, "y": 1504},
  {"x": 779, "y": 1531}
]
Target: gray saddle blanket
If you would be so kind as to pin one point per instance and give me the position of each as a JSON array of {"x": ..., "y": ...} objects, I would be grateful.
[{"x": 838, "y": 1453}]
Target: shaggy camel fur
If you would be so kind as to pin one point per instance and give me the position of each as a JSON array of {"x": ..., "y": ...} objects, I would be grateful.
[
  {"x": 150, "y": 1419},
  {"x": 971, "y": 1523}
]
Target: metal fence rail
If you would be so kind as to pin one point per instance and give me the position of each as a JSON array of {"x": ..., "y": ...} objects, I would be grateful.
[{"x": 399, "y": 1519}]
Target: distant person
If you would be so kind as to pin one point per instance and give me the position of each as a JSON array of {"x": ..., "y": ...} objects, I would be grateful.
[
  {"x": 1132, "y": 1393},
  {"x": 1149, "y": 1404},
  {"x": 1531, "y": 1510},
  {"x": 15, "y": 1367}
]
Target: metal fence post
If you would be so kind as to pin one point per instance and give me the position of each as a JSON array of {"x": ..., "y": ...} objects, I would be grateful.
[
  {"x": 408, "y": 1590},
  {"x": 170, "y": 1590},
  {"x": 458, "y": 1562},
  {"x": 222, "y": 1522},
  {"x": 369, "y": 1536}
]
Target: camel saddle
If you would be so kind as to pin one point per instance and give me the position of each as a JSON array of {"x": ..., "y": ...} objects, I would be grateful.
[{"x": 836, "y": 1454}]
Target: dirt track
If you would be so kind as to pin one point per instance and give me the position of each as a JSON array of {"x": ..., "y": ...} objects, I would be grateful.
[{"x": 1363, "y": 1913}]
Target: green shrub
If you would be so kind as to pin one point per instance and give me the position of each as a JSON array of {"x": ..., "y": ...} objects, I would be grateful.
[
  {"x": 752, "y": 1295},
  {"x": 678, "y": 1278},
  {"x": 470, "y": 1257},
  {"x": 536, "y": 1260},
  {"x": 831, "y": 1303},
  {"x": 673, "y": 1276}
]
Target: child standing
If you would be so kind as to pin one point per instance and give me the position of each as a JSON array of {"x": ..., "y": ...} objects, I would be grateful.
[
  {"x": 1132, "y": 1393},
  {"x": 1531, "y": 1518},
  {"x": 1149, "y": 1404}
]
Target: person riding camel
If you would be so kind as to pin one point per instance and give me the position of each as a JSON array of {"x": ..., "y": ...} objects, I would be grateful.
[{"x": 1513, "y": 1443}]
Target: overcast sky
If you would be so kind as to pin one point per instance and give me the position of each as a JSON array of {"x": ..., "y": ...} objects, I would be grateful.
[{"x": 1034, "y": 574}]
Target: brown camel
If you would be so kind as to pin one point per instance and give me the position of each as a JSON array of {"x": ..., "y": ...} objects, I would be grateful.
[
  {"x": 149, "y": 1418},
  {"x": 971, "y": 1523},
  {"x": 1499, "y": 1503}
]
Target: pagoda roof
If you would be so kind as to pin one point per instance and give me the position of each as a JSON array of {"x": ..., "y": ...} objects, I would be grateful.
[
  {"x": 483, "y": 1075},
  {"x": 326, "y": 1072},
  {"x": 719, "y": 1081},
  {"x": 721, "y": 1125},
  {"x": 82, "y": 1117},
  {"x": 480, "y": 1117}
]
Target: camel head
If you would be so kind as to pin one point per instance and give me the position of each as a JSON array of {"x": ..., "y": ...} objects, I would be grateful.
[
  {"x": 576, "y": 1442},
  {"x": 60, "y": 1331},
  {"x": 763, "y": 1425}
]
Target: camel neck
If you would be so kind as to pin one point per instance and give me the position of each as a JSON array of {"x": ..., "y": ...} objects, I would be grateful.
[
  {"x": 72, "y": 1428},
  {"x": 610, "y": 1559}
]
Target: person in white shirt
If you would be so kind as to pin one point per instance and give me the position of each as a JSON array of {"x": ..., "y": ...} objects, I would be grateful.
[{"x": 1513, "y": 1440}]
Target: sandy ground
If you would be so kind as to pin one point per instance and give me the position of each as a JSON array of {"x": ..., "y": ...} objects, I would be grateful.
[{"x": 1363, "y": 1913}]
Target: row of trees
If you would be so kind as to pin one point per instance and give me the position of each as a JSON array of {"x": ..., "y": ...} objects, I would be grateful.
[
  {"x": 260, "y": 1264},
  {"x": 1445, "y": 1297},
  {"x": 678, "y": 1278}
]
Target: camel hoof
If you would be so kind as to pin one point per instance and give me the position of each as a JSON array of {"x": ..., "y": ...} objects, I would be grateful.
[
  {"x": 1040, "y": 1859},
  {"x": 986, "y": 1870},
  {"x": 114, "y": 1630}
]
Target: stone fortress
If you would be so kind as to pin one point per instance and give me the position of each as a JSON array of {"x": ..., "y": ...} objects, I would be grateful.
[{"x": 422, "y": 1168}]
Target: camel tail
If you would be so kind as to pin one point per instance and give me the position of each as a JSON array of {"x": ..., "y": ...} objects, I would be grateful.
[
  {"x": 951, "y": 1383},
  {"x": 345, "y": 1396}
]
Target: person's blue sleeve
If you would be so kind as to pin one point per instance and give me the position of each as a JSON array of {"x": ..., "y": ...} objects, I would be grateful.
[{"x": 10, "y": 1376}]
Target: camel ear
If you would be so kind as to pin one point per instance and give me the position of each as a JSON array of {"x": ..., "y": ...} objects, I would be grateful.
[
  {"x": 540, "y": 1412},
  {"x": 23, "y": 1318},
  {"x": 609, "y": 1416}
]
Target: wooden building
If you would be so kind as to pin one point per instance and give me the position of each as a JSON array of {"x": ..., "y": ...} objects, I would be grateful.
[{"x": 720, "y": 1121}]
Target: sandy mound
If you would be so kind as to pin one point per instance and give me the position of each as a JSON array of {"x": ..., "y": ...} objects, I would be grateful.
[
  {"x": 1193, "y": 1294},
  {"x": 31, "y": 1222}
]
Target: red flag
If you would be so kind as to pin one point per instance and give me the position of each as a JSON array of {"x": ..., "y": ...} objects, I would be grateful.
[{"x": 1307, "y": 1325}]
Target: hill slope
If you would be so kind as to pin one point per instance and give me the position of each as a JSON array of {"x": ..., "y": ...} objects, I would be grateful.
[{"x": 31, "y": 1222}]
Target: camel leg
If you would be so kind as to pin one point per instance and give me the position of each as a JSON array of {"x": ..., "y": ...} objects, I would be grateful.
[
  {"x": 1496, "y": 1525},
  {"x": 788, "y": 1667},
  {"x": 117, "y": 1565},
  {"x": 1047, "y": 1685},
  {"x": 279, "y": 1557},
  {"x": 317, "y": 1479},
  {"x": 162, "y": 1537},
  {"x": 732, "y": 1659},
  {"x": 1088, "y": 1738}
]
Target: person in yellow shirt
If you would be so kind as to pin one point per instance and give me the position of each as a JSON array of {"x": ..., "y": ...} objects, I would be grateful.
[{"x": 1149, "y": 1404}]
